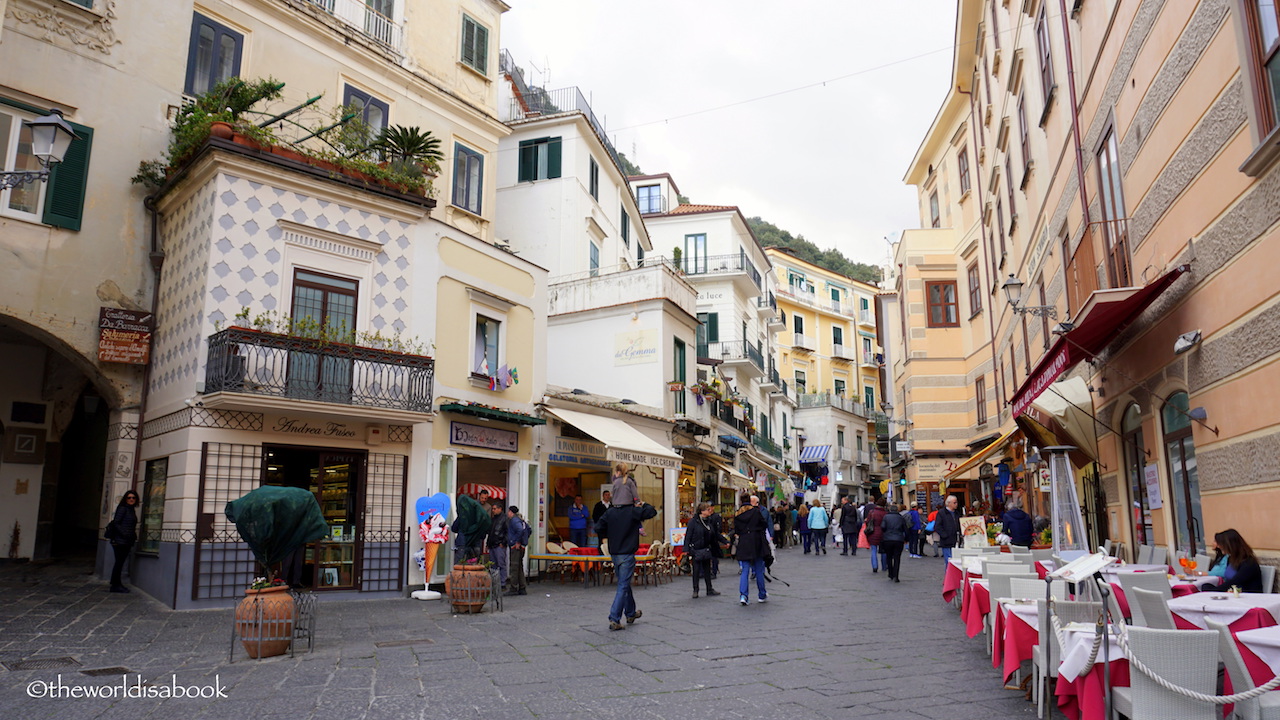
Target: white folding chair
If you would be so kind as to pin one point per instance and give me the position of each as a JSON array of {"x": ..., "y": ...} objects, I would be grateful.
[
  {"x": 1144, "y": 554},
  {"x": 1159, "y": 556},
  {"x": 998, "y": 582},
  {"x": 1186, "y": 658},
  {"x": 1153, "y": 582},
  {"x": 1021, "y": 587},
  {"x": 1268, "y": 578},
  {"x": 1067, "y": 611}
]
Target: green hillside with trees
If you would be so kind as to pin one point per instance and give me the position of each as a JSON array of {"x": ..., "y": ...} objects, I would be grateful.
[{"x": 771, "y": 235}]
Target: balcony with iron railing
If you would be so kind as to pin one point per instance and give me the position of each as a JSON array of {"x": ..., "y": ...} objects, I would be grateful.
[
  {"x": 830, "y": 399},
  {"x": 531, "y": 103},
  {"x": 1086, "y": 273},
  {"x": 722, "y": 265},
  {"x": 863, "y": 458},
  {"x": 812, "y": 299},
  {"x": 737, "y": 352},
  {"x": 768, "y": 446},
  {"x": 360, "y": 16},
  {"x": 781, "y": 387},
  {"x": 251, "y": 362}
]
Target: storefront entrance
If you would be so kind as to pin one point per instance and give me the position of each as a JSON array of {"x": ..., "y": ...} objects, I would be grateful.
[{"x": 336, "y": 478}]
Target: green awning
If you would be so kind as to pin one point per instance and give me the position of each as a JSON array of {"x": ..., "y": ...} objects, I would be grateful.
[{"x": 491, "y": 413}]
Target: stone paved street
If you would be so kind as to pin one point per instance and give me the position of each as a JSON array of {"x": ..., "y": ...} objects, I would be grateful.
[{"x": 839, "y": 643}]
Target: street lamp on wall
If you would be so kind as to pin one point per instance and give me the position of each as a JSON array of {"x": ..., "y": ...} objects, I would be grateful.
[
  {"x": 50, "y": 138},
  {"x": 1013, "y": 293}
]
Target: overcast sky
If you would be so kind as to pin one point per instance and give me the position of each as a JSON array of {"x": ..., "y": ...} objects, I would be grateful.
[{"x": 854, "y": 86}]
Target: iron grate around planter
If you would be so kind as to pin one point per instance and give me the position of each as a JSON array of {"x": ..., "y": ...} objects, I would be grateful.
[
  {"x": 41, "y": 663},
  {"x": 101, "y": 672}
]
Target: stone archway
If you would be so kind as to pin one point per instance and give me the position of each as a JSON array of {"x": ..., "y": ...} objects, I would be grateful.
[{"x": 59, "y": 408}]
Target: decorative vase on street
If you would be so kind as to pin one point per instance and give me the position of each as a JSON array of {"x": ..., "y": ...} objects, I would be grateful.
[
  {"x": 264, "y": 621},
  {"x": 468, "y": 587}
]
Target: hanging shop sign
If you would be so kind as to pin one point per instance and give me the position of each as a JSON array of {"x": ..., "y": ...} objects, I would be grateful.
[
  {"x": 1151, "y": 476},
  {"x": 640, "y": 458},
  {"x": 124, "y": 336},
  {"x": 483, "y": 437}
]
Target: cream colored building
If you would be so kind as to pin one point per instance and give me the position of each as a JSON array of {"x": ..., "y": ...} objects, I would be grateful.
[
  {"x": 1123, "y": 154},
  {"x": 830, "y": 354}
]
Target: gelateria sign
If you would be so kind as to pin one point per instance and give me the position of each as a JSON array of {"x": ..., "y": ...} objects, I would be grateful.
[
  {"x": 313, "y": 428},
  {"x": 575, "y": 451},
  {"x": 483, "y": 437}
]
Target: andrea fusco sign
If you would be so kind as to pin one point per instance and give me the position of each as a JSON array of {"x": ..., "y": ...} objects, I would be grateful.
[{"x": 124, "y": 336}]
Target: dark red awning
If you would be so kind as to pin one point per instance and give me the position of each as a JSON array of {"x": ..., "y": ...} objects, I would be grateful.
[{"x": 1100, "y": 320}]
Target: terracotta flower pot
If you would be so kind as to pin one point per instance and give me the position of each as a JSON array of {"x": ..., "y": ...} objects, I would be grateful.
[
  {"x": 468, "y": 587},
  {"x": 221, "y": 129},
  {"x": 264, "y": 621}
]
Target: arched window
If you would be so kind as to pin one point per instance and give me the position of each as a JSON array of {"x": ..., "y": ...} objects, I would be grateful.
[
  {"x": 1184, "y": 483},
  {"x": 1135, "y": 460}
]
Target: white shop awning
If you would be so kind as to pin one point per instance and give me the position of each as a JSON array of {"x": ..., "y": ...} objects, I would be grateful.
[{"x": 624, "y": 443}]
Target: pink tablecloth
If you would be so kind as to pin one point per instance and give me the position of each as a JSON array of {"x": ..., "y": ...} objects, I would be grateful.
[
  {"x": 977, "y": 604},
  {"x": 1014, "y": 642},
  {"x": 951, "y": 582},
  {"x": 1082, "y": 698}
]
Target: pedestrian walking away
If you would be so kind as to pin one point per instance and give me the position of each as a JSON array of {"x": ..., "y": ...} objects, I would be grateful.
[
  {"x": 893, "y": 537},
  {"x": 122, "y": 531},
  {"x": 620, "y": 525},
  {"x": 914, "y": 536},
  {"x": 873, "y": 529},
  {"x": 753, "y": 546},
  {"x": 518, "y": 532},
  {"x": 802, "y": 526},
  {"x": 819, "y": 521},
  {"x": 850, "y": 523},
  {"x": 701, "y": 545}
]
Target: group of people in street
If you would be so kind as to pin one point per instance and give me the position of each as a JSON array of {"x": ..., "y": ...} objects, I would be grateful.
[{"x": 485, "y": 525}]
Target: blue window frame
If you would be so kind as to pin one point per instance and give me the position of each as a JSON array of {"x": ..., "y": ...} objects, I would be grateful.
[
  {"x": 374, "y": 112},
  {"x": 468, "y": 178},
  {"x": 213, "y": 55}
]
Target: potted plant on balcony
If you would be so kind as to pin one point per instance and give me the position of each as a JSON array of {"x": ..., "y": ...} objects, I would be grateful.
[{"x": 675, "y": 386}]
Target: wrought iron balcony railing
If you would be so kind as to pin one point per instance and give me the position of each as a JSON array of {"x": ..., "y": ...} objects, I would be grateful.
[
  {"x": 361, "y": 16},
  {"x": 260, "y": 363},
  {"x": 767, "y": 445}
]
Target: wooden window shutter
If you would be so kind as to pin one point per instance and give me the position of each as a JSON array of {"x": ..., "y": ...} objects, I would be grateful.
[
  {"x": 713, "y": 327},
  {"x": 528, "y": 161},
  {"x": 553, "y": 158},
  {"x": 64, "y": 200}
]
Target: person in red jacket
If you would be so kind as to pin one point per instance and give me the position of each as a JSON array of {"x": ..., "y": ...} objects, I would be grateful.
[{"x": 932, "y": 540}]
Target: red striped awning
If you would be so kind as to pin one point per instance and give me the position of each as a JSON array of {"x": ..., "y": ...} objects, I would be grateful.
[{"x": 495, "y": 492}]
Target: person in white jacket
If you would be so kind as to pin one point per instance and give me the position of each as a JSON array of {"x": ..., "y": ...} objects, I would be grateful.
[{"x": 819, "y": 521}]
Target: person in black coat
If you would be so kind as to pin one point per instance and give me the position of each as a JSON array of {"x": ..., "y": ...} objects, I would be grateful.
[
  {"x": 947, "y": 525},
  {"x": 123, "y": 534},
  {"x": 850, "y": 524},
  {"x": 753, "y": 547},
  {"x": 620, "y": 525},
  {"x": 1017, "y": 523},
  {"x": 893, "y": 536},
  {"x": 700, "y": 543}
]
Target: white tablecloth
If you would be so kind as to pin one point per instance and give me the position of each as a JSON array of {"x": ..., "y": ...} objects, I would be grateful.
[
  {"x": 1222, "y": 607},
  {"x": 971, "y": 565},
  {"x": 1265, "y": 643},
  {"x": 1028, "y": 611},
  {"x": 1110, "y": 571},
  {"x": 1076, "y": 646}
]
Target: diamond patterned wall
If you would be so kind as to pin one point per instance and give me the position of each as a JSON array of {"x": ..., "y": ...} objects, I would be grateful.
[{"x": 224, "y": 248}]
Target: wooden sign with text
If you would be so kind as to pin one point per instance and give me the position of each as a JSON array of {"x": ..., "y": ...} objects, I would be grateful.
[{"x": 124, "y": 336}]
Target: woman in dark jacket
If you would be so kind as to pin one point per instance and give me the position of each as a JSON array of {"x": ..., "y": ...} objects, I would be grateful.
[
  {"x": 123, "y": 534},
  {"x": 893, "y": 533},
  {"x": 749, "y": 527},
  {"x": 874, "y": 530},
  {"x": 1243, "y": 570},
  {"x": 700, "y": 543}
]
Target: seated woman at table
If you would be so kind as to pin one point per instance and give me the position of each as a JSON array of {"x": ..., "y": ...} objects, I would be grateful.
[{"x": 1241, "y": 569}]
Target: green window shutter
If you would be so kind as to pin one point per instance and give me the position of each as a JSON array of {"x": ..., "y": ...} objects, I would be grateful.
[
  {"x": 528, "y": 161},
  {"x": 64, "y": 198},
  {"x": 553, "y": 158},
  {"x": 713, "y": 327},
  {"x": 482, "y": 49}
]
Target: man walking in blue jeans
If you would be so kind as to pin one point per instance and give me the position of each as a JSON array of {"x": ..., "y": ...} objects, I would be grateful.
[
  {"x": 620, "y": 525},
  {"x": 947, "y": 525}
]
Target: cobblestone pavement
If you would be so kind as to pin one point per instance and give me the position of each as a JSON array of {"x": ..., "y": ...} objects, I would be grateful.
[{"x": 840, "y": 642}]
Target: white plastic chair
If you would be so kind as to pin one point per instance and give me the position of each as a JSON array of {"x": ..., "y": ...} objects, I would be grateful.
[
  {"x": 1268, "y": 578},
  {"x": 1021, "y": 587},
  {"x": 1159, "y": 556},
  {"x": 999, "y": 585},
  {"x": 1186, "y": 658},
  {"x": 1144, "y": 554},
  {"x": 1152, "y": 581},
  {"x": 1042, "y": 554},
  {"x": 1149, "y": 609},
  {"x": 1265, "y": 707},
  {"x": 1067, "y": 611},
  {"x": 1113, "y": 605}
]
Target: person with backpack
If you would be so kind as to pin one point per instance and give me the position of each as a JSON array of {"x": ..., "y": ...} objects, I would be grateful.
[
  {"x": 518, "y": 532},
  {"x": 819, "y": 521},
  {"x": 873, "y": 528}
]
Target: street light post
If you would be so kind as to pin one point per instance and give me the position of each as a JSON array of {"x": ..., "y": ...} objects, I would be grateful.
[
  {"x": 50, "y": 138},
  {"x": 1013, "y": 293}
]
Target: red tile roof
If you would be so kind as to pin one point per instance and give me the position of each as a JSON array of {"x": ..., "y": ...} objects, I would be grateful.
[{"x": 689, "y": 209}]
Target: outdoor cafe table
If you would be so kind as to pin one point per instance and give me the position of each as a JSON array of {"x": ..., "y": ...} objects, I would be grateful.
[
  {"x": 977, "y": 605},
  {"x": 955, "y": 575},
  {"x": 1180, "y": 585},
  {"x": 1249, "y": 611},
  {"x": 1016, "y": 632},
  {"x": 1082, "y": 697},
  {"x": 1260, "y": 649}
]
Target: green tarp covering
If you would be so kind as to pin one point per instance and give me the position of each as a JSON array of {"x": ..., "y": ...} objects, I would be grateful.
[{"x": 275, "y": 521}]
